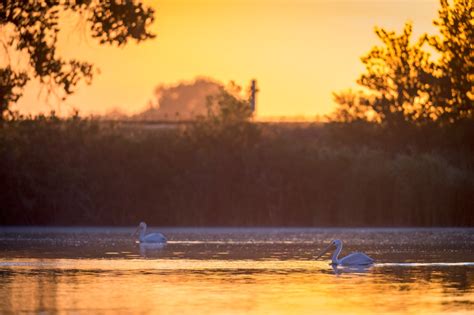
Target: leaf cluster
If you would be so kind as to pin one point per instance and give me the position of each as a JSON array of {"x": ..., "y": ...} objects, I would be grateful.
[{"x": 33, "y": 27}]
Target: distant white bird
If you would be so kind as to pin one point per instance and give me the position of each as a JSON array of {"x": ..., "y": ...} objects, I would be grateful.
[
  {"x": 353, "y": 259},
  {"x": 148, "y": 238}
]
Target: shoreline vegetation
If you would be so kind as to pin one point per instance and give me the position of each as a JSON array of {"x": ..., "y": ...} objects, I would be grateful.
[{"x": 78, "y": 171}]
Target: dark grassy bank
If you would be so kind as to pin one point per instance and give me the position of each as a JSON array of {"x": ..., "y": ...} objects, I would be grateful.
[{"x": 84, "y": 172}]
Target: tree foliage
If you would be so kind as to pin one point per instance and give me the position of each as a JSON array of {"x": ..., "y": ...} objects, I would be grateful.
[
  {"x": 32, "y": 28},
  {"x": 396, "y": 73},
  {"x": 403, "y": 83},
  {"x": 454, "y": 90},
  {"x": 353, "y": 106},
  {"x": 11, "y": 83}
]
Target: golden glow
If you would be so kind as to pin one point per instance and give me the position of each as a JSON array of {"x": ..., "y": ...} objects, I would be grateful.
[
  {"x": 221, "y": 286},
  {"x": 300, "y": 51}
]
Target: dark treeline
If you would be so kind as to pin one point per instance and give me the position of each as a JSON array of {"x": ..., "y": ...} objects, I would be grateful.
[{"x": 84, "y": 172}]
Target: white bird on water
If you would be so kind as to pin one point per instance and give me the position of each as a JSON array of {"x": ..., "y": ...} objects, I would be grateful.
[
  {"x": 156, "y": 238},
  {"x": 354, "y": 259}
]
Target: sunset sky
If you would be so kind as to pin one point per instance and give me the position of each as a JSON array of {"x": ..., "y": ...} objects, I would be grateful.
[{"x": 300, "y": 51}]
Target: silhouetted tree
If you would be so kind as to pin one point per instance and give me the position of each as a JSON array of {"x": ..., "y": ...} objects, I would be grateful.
[
  {"x": 11, "y": 83},
  {"x": 402, "y": 83},
  {"x": 397, "y": 73},
  {"x": 453, "y": 89},
  {"x": 396, "y": 76},
  {"x": 32, "y": 28}
]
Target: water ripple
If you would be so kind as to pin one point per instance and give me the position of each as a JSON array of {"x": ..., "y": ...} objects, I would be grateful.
[{"x": 436, "y": 264}]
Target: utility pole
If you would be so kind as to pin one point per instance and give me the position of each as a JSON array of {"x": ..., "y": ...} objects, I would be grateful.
[{"x": 253, "y": 94}]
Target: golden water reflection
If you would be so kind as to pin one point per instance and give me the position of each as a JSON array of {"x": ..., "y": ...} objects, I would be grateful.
[{"x": 186, "y": 286}]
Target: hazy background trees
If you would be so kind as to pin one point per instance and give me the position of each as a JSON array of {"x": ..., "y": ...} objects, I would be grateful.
[{"x": 182, "y": 101}]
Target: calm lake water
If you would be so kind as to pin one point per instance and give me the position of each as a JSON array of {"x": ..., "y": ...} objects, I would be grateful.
[{"x": 234, "y": 271}]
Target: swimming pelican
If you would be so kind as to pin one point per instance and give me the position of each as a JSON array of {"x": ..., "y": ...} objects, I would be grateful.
[
  {"x": 353, "y": 259},
  {"x": 149, "y": 238}
]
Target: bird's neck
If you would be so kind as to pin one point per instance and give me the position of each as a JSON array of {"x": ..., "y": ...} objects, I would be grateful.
[
  {"x": 336, "y": 253},
  {"x": 142, "y": 235}
]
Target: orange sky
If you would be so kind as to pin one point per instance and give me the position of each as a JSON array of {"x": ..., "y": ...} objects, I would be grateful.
[{"x": 300, "y": 51}]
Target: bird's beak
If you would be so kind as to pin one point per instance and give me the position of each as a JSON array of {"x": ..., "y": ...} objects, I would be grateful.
[
  {"x": 136, "y": 231},
  {"x": 324, "y": 251}
]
